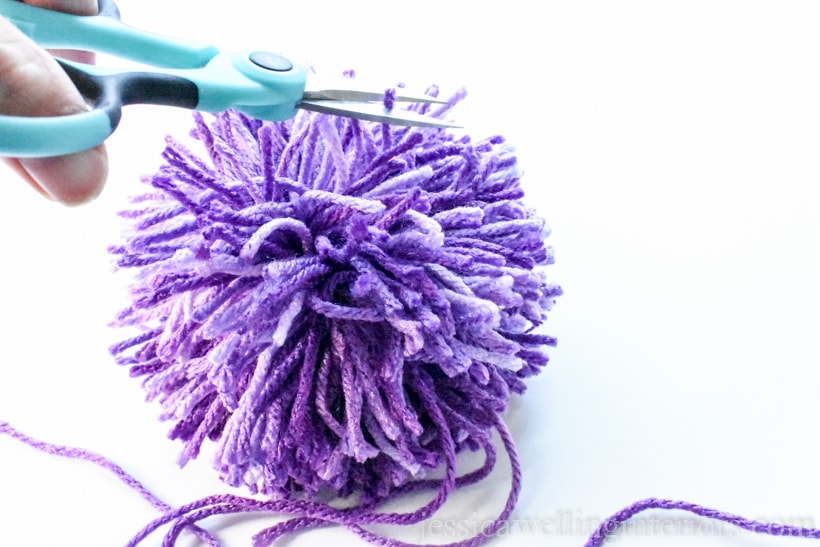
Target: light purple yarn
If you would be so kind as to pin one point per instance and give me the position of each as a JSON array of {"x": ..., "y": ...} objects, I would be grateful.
[{"x": 341, "y": 306}]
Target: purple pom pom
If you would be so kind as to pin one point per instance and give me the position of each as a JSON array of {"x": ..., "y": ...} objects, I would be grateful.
[{"x": 338, "y": 305}]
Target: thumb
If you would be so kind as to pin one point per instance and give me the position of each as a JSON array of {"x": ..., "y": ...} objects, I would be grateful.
[{"x": 33, "y": 84}]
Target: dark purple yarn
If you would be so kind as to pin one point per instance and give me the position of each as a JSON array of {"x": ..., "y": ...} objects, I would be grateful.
[{"x": 341, "y": 306}]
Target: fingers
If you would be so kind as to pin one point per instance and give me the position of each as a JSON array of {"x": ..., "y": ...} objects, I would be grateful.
[
  {"x": 33, "y": 84},
  {"x": 72, "y": 179},
  {"x": 77, "y": 7}
]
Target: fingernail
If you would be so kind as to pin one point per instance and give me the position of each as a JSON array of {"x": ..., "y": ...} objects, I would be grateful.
[{"x": 72, "y": 179}]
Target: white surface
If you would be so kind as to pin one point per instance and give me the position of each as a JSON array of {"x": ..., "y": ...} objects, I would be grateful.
[{"x": 674, "y": 148}]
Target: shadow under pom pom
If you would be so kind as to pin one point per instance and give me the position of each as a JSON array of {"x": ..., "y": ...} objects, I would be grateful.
[{"x": 338, "y": 305}]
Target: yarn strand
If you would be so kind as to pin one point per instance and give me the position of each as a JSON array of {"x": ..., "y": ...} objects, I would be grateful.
[
  {"x": 309, "y": 515},
  {"x": 103, "y": 462},
  {"x": 609, "y": 526}
]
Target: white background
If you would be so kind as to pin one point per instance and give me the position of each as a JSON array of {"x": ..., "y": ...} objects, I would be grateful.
[{"x": 675, "y": 149}]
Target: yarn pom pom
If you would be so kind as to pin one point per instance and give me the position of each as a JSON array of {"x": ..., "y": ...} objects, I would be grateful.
[{"x": 340, "y": 306}]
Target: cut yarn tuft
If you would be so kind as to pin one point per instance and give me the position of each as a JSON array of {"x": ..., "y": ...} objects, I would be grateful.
[{"x": 340, "y": 306}]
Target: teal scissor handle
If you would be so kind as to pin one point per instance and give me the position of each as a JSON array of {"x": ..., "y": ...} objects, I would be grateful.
[
  {"x": 261, "y": 84},
  {"x": 104, "y": 33}
]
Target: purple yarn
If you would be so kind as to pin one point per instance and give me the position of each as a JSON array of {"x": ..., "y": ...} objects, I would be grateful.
[
  {"x": 311, "y": 514},
  {"x": 390, "y": 98},
  {"x": 103, "y": 462},
  {"x": 614, "y": 522},
  {"x": 341, "y": 306}
]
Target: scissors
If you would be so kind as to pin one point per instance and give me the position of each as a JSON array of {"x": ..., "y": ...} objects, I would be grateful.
[{"x": 261, "y": 84}]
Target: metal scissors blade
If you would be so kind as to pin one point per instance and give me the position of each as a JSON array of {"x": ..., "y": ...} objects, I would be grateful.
[
  {"x": 347, "y": 92},
  {"x": 373, "y": 112},
  {"x": 261, "y": 84}
]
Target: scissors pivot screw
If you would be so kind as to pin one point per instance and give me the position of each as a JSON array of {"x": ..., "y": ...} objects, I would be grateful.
[{"x": 270, "y": 61}]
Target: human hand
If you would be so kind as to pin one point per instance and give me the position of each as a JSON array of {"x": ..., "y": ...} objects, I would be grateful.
[{"x": 33, "y": 84}]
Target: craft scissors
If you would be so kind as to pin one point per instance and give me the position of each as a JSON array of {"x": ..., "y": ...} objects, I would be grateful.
[{"x": 261, "y": 84}]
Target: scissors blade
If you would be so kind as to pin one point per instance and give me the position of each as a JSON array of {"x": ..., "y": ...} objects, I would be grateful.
[
  {"x": 373, "y": 112},
  {"x": 363, "y": 95}
]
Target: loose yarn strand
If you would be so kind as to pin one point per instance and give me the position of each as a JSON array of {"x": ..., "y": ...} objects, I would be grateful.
[
  {"x": 103, "y": 462},
  {"x": 315, "y": 515},
  {"x": 609, "y": 526},
  {"x": 306, "y": 514}
]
